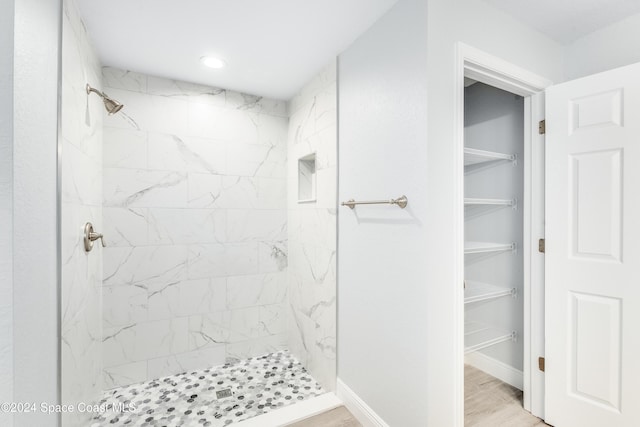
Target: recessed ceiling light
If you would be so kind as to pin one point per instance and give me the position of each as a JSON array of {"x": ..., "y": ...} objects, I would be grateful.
[{"x": 212, "y": 62}]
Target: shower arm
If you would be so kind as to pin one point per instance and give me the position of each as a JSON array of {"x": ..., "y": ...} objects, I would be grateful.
[{"x": 90, "y": 89}]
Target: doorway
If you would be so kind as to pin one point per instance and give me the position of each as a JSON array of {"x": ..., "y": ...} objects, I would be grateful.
[{"x": 524, "y": 344}]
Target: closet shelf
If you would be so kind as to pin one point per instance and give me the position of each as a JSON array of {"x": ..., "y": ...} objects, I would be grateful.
[
  {"x": 478, "y": 291},
  {"x": 483, "y": 202},
  {"x": 475, "y": 157},
  {"x": 478, "y": 336},
  {"x": 487, "y": 247}
]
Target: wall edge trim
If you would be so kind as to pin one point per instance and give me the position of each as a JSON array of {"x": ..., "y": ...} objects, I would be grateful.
[{"x": 358, "y": 407}]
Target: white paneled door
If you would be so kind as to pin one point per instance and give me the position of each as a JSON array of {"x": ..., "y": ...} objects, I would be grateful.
[{"x": 593, "y": 251}]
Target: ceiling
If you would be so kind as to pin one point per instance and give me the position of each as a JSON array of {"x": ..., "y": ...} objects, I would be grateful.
[
  {"x": 567, "y": 20},
  {"x": 272, "y": 48}
]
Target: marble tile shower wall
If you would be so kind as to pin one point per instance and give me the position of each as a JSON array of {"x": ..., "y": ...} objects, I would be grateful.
[
  {"x": 312, "y": 229},
  {"x": 81, "y": 185},
  {"x": 196, "y": 227}
]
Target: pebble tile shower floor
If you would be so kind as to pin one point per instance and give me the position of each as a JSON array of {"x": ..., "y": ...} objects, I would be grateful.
[{"x": 256, "y": 386}]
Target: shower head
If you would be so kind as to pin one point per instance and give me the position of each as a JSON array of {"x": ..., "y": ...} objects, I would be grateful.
[{"x": 111, "y": 105}]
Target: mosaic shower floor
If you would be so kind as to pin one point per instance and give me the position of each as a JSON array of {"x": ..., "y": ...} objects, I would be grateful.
[{"x": 212, "y": 397}]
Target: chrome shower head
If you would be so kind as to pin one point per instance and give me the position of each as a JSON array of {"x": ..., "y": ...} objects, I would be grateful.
[{"x": 111, "y": 105}]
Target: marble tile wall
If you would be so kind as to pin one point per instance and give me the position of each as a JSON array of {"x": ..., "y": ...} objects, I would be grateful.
[
  {"x": 81, "y": 159},
  {"x": 312, "y": 229},
  {"x": 195, "y": 219}
]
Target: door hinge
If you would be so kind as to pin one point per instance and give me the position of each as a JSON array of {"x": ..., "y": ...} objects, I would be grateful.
[
  {"x": 541, "y": 363},
  {"x": 541, "y": 246},
  {"x": 542, "y": 127}
]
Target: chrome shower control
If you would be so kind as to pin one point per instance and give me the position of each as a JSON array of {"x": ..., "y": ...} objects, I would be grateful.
[{"x": 90, "y": 236}]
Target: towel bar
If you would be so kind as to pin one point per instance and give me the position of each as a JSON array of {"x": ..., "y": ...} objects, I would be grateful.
[{"x": 400, "y": 201}]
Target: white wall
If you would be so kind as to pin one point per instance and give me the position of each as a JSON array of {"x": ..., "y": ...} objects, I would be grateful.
[
  {"x": 6, "y": 208},
  {"x": 196, "y": 226},
  {"x": 81, "y": 202},
  {"x": 383, "y": 335},
  {"x": 312, "y": 229},
  {"x": 396, "y": 268},
  {"x": 35, "y": 216},
  {"x": 613, "y": 46}
]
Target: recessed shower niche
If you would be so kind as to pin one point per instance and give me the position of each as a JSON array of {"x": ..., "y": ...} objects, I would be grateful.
[{"x": 307, "y": 179}]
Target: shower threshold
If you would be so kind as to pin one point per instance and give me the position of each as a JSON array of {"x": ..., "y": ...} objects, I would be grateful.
[{"x": 247, "y": 389}]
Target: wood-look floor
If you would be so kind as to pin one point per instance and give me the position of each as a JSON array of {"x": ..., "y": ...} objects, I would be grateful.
[
  {"x": 488, "y": 402},
  {"x": 338, "y": 417}
]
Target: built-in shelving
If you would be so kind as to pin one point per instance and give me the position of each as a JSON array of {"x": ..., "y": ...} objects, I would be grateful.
[
  {"x": 476, "y": 157},
  {"x": 489, "y": 202},
  {"x": 478, "y": 336},
  {"x": 487, "y": 247},
  {"x": 479, "y": 291}
]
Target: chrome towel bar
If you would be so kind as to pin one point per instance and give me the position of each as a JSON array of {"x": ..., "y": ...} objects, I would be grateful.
[{"x": 400, "y": 201}]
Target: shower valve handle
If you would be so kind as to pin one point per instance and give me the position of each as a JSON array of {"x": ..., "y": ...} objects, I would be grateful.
[
  {"x": 95, "y": 236},
  {"x": 91, "y": 236}
]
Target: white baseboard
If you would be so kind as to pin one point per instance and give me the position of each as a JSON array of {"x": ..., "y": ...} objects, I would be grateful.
[
  {"x": 294, "y": 413},
  {"x": 359, "y": 409},
  {"x": 495, "y": 368}
]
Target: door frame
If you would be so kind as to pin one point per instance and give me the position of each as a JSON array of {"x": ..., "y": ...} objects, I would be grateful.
[{"x": 494, "y": 71}]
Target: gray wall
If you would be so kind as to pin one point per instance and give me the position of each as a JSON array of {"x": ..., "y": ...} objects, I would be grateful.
[
  {"x": 35, "y": 216},
  {"x": 6, "y": 208},
  {"x": 382, "y": 339}
]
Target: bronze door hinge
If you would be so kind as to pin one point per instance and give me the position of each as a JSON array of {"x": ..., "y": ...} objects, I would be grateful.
[{"x": 542, "y": 127}]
